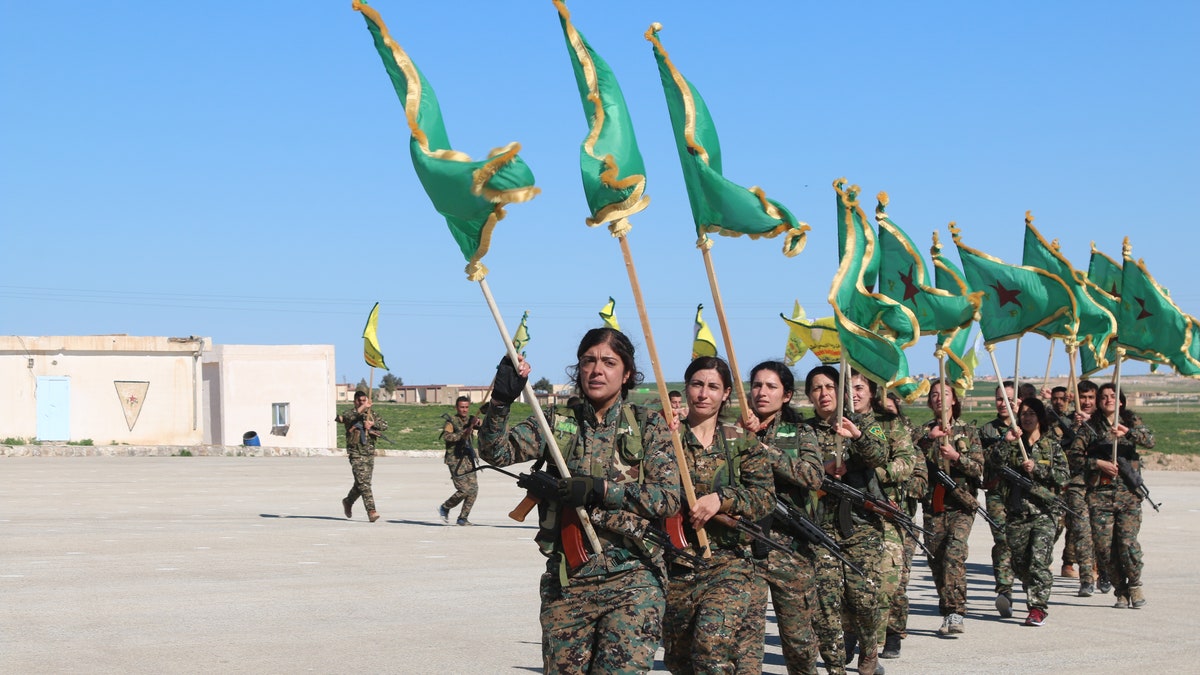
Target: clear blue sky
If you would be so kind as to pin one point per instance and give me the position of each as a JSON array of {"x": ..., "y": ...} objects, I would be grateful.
[{"x": 240, "y": 170}]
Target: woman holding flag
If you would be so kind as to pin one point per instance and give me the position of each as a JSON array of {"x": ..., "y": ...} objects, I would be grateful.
[
  {"x": 604, "y": 614},
  {"x": 716, "y": 614}
]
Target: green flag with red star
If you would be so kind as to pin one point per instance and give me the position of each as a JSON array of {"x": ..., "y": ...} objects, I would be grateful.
[{"x": 1149, "y": 320}]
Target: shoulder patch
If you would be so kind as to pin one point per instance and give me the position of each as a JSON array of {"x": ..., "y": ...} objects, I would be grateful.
[{"x": 877, "y": 431}]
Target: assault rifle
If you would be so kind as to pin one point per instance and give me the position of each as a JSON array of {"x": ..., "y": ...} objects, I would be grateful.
[
  {"x": 541, "y": 486},
  {"x": 798, "y": 524},
  {"x": 882, "y": 507},
  {"x": 751, "y": 529},
  {"x": 1024, "y": 483},
  {"x": 1133, "y": 479},
  {"x": 963, "y": 497}
]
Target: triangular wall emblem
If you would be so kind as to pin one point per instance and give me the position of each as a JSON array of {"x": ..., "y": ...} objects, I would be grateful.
[{"x": 132, "y": 395}]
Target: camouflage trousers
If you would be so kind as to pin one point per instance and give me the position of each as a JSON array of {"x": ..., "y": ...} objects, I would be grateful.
[
  {"x": 897, "y": 619},
  {"x": 949, "y": 531},
  {"x": 1002, "y": 567},
  {"x": 793, "y": 594},
  {"x": 1031, "y": 540},
  {"x": 362, "y": 466},
  {"x": 891, "y": 568},
  {"x": 845, "y": 600},
  {"x": 1116, "y": 520},
  {"x": 716, "y": 617},
  {"x": 1079, "y": 534},
  {"x": 466, "y": 489},
  {"x": 610, "y": 624}
]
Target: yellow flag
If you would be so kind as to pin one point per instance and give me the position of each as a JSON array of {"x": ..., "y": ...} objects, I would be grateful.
[
  {"x": 703, "y": 342},
  {"x": 795, "y": 349},
  {"x": 819, "y": 335},
  {"x": 521, "y": 338},
  {"x": 371, "y": 353},
  {"x": 609, "y": 314}
]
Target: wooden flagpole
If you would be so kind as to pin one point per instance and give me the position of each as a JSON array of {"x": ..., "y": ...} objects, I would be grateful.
[
  {"x": 1012, "y": 417},
  {"x": 543, "y": 425},
  {"x": 1049, "y": 359},
  {"x": 738, "y": 388}
]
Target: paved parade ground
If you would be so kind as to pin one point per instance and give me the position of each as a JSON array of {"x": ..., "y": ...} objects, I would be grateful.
[{"x": 245, "y": 564}]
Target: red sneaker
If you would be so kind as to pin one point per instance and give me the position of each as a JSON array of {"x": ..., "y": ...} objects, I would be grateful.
[{"x": 1037, "y": 617}]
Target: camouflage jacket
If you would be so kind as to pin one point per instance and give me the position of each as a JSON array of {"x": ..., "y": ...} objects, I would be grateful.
[
  {"x": 967, "y": 470},
  {"x": 1099, "y": 446},
  {"x": 795, "y": 461},
  {"x": 1082, "y": 435},
  {"x": 735, "y": 466},
  {"x": 642, "y": 479},
  {"x": 359, "y": 440},
  {"x": 991, "y": 435},
  {"x": 903, "y": 459},
  {"x": 460, "y": 455},
  {"x": 1050, "y": 474},
  {"x": 860, "y": 456}
]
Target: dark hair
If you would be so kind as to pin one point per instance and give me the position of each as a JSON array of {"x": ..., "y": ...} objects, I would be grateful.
[
  {"x": 955, "y": 408},
  {"x": 1086, "y": 385},
  {"x": 1035, "y": 404},
  {"x": 899, "y": 403},
  {"x": 1058, "y": 390},
  {"x": 1026, "y": 390},
  {"x": 711, "y": 363},
  {"x": 1125, "y": 416},
  {"x": 360, "y": 393},
  {"x": 620, "y": 345},
  {"x": 787, "y": 413},
  {"x": 460, "y": 399},
  {"x": 826, "y": 370},
  {"x": 1007, "y": 384},
  {"x": 673, "y": 393}
]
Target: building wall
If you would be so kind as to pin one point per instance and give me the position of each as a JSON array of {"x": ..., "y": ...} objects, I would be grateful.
[
  {"x": 250, "y": 378},
  {"x": 169, "y": 411}
]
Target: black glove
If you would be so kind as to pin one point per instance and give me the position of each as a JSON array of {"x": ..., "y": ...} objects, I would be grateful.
[
  {"x": 581, "y": 491},
  {"x": 508, "y": 385}
]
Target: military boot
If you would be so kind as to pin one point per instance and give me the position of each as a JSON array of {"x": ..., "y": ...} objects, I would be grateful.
[
  {"x": 891, "y": 647},
  {"x": 1136, "y": 597},
  {"x": 868, "y": 664},
  {"x": 851, "y": 644},
  {"x": 1122, "y": 602}
]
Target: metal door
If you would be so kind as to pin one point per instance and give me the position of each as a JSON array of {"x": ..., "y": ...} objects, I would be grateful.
[{"x": 53, "y": 408}]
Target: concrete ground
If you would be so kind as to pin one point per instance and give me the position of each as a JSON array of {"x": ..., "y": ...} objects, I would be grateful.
[{"x": 245, "y": 564}]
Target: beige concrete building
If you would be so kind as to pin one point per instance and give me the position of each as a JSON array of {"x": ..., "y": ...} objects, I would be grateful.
[{"x": 131, "y": 390}]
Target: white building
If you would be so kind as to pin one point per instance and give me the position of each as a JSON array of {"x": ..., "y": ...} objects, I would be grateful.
[{"x": 120, "y": 389}]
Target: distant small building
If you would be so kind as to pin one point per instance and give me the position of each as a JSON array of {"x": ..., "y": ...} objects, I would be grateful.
[{"x": 135, "y": 390}]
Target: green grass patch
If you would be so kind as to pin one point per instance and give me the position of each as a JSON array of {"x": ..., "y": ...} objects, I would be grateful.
[
  {"x": 86, "y": 441},
  {"x": 13, "y": 441},
  {"x": 416, "y": 427}
]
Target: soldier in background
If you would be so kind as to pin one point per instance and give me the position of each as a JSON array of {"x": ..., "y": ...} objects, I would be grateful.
[
  {"x": 909, "y": 497},
  {"x": 460, "y": 459},
  {"x": 363, "y": 426},
  {"x": 1079, "y": 528}
]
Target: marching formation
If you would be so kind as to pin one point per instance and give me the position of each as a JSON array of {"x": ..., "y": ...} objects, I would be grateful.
[{"x": 677, "y": 529}]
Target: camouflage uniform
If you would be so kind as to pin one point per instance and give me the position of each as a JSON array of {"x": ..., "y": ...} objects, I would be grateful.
[
  {"x": 460, "y": 459},
  {"x": 360, "y": 449},
  {"x": 902, "y": 460},
  {"x": 1032, "y": 514},
  {"x": 716, "y": 615},
  {"x": 846, "y": 601},
  {"x": 796, "y": 463},
  {"x": 1079, "y": 528},
  {"x": 1116, "y": 510},
  {"x": 606, "y": 615},
  {"x": 912, "y": 493},
  {"x": 949, "y": 515},
  {"x": 1060, "y": 429},
  {"x": 990, "y": 437}
]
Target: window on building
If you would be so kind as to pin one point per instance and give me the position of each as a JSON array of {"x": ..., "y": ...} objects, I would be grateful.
[{"x": 280, "y": 418}]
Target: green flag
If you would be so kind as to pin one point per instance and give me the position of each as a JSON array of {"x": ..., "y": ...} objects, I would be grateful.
[
  {"x": 857, "y": 312},
  {"x": 1105, "y": 272},
  {"x": 1016, "y": 299},
  {"x": 371, "y": 352},
  {"x": 521, "y": 337},
  {"x": 1149, "y": 320},
  {"x": 1095, "y": 325},
  {"x": 614, "y": 180},
  {"x": 903, "y": 277},
  {"x": 703, "y": 342},
  {"x": 718, "y": 205},
  {"x": 961, "y": 358},
  {"x": 470, "y": 194},
  {"x": 609, "y": 314}
]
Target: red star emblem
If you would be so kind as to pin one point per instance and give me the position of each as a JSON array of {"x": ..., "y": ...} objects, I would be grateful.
[
  {"x": 1006, "y": 296},
  {"x": 1142, "y": 303},
  {"x": 910, "y": 289}
]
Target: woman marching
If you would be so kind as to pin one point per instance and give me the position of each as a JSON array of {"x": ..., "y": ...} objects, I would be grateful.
[
  {"x": 1115, "y": 505},
  {"x": 952, "y": 448},
  {"x": 604, "y": 615},
  {"x": 716, "y": 615},
  {"x": 796, "y": 464},
  {"x": 1032, "y": 513}
]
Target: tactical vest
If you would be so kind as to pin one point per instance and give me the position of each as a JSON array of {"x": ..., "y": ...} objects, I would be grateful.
[
  {"x": 786, "y": 439},
  {"x": 729, "y": 474}
]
